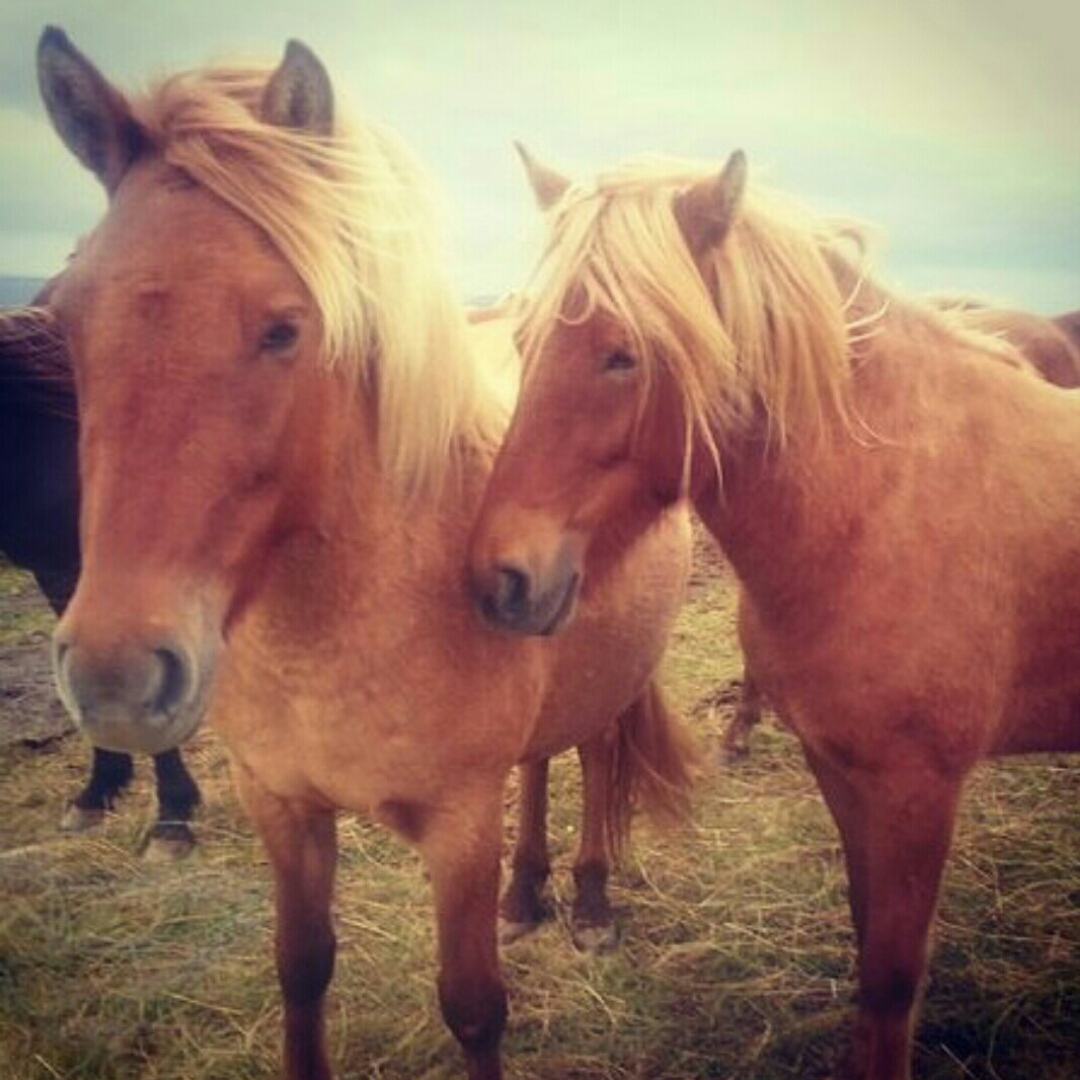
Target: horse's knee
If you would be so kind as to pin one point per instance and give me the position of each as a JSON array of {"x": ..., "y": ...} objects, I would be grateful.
[
  {"x": 305, "y": 962},
  {"x": 889, "y": 991},
  {"x": 476, "y": 1014}
]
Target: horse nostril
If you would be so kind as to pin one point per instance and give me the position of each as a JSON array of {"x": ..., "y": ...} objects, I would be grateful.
[
  {"x": 510, "y": 596},
  {"x": 172, "y": 681}
]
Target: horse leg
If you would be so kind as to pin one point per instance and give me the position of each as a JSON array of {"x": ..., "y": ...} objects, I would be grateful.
[
  {"x": 592, "y": 924},
  {"x": 110, "y": 773},
  {"x": 461, "y": 851},
  {"x": 735, "y": 744},
  {"x": 301, "y": 844},
  {"x": 896, "y": 832},
  {"x": 523, "y": 905},
  {"x": 178, "y": 795}
]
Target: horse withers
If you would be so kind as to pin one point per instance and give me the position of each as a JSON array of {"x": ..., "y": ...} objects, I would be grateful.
[
  {"x": 897, "y": 492},
  {"x": 284, "y": 437}
]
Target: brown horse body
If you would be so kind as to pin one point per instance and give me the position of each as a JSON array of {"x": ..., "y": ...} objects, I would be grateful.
[
  {"x": 253, "y": 548},
  {"x": 1050, "y": 346},
  {"x": 902, "y": 511}
]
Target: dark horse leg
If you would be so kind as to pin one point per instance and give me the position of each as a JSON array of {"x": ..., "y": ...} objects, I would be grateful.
[
  {"x": 592, "y": 923},
  {"x": 110, "y": 773},
  {"x": 171, "y": 836},
  {"x": 524, "y": 904}
]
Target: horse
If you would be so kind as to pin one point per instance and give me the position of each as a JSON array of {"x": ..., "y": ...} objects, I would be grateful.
[
  {"x": 605, "y": 825},
  {"x": 897, "y": 493},
  {"x": 284, "y": 438},
  {"x": 39, "y": 493},
  {"x": 1049, "y": 345}
]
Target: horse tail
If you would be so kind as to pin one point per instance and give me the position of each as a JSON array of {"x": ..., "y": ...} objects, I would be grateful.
[{"x": 653, "y": 762}]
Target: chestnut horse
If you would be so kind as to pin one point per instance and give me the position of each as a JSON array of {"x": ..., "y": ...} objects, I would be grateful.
[
  {"x": 39, "y": 497},
  {"x": 903, "y": 515},
  {"x": 1051, "y": 346},
  {"x": 283, "y": 442}
]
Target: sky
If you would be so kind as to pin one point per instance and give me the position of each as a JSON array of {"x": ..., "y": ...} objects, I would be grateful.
[{"x": 951, "y": 125}]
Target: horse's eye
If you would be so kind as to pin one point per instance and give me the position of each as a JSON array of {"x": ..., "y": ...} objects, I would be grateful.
[
  {"x": 619, "y": 361},
  {"x": 279, "y": 337}
]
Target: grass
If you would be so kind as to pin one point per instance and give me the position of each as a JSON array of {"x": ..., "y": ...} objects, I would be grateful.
[{"x": 735, "y": 960}]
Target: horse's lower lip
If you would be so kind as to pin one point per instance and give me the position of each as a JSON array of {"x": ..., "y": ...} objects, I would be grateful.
[{"x": 141, "y": 738}]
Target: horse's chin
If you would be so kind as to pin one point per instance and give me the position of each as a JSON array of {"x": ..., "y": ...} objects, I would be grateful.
[{"x": 145, "y": 737}]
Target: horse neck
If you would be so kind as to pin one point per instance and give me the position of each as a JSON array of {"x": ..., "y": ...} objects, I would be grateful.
[
  {"x": 779, "y": 513},
  {"x": 787, "y": 514},
  {"x": 367, "y": 542}
]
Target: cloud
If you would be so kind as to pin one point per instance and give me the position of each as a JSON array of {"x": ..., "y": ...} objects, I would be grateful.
[{"x": 952, "y": 123}]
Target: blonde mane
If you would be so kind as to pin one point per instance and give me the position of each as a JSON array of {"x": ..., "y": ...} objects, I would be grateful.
[
  {"x": 354, "y": 215},
  {"x": 774, "y": 321}
]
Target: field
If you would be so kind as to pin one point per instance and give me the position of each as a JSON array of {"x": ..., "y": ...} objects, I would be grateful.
[{"x": 736, "y": 952}]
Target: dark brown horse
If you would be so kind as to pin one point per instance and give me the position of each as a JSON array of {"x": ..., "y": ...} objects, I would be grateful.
[
  {"x": 283, "y": 439},
  {"x": 39, "y": 507},
  {"x": 898, "y": 494}
]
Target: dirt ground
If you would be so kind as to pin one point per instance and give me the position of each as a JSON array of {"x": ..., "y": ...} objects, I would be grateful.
[{"x": 30, "y": 711}]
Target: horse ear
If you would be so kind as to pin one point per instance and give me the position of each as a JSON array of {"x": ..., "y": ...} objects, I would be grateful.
[
  {"x": 548, "y": 185},
  {"x": 706, "y": 210},
  {"x": 89, "y": 114},
  {"x": 299, "y": 94}
]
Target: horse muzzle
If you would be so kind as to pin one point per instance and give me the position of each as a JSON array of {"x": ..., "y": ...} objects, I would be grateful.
[
  {"x": 132, "y": 696},
  {"x": 526, "y": 593}
]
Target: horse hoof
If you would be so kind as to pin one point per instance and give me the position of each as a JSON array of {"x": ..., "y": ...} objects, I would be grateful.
[
  {"x": 596, "y": 939},
  {"x": 509, "y": 932},
  {"x": 76, "y": 819},
  {"x": 168, "y": 843}
]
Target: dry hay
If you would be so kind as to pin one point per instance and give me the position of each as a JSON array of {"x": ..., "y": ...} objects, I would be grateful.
[{"x": 736, "y": 949}]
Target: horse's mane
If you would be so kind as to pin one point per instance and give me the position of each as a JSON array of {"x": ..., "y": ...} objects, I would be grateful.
[
  {"x": 775, "y": 321},
  {"x": 35, "y": 369},
  {"x": 356, "y": 218}
]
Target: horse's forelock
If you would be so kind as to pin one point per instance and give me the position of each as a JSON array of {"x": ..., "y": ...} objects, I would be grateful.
[
  {"x": 357, "y": 219},
  {"x": 766, "y": 324}
]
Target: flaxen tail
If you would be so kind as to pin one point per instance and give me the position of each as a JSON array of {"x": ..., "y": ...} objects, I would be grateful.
[{"x": 653, "y": 762}]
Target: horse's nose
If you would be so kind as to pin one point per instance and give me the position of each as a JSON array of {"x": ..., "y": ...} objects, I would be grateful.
[
  {"x": 128, "y": 698},
  {"x": 524, "y": 602},
  {"x": 506, "y": 597}
]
